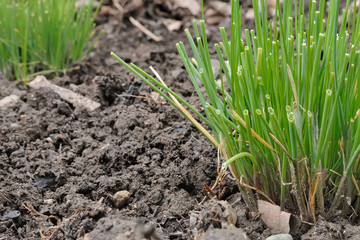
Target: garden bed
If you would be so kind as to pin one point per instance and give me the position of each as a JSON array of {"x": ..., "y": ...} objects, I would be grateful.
[{"x": 61, "y": 165}]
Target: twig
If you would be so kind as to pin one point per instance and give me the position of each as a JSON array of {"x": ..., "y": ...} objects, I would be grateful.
[
  {"x": 98, "y": 151},
  {"x": 117, "y": 5},
  {"x": 33, "y": 213},
  {"x": 137, "y": 24},
  {"x": 4, "y": 197}
]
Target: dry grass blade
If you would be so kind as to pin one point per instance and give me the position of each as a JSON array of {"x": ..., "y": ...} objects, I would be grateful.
[
  {"x": 257, "y": 190},
  {"x": 312, "y": 193},
  {"x": 254, "y": 133},
  {"x": 188, "y": 115},
  {"x": 281, "y": 146}
]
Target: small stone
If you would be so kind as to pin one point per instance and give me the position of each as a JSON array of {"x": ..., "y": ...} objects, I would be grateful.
[
  {"x": 49, "y": 140},
  {"x": 15, "y": 126},
  {"x": 225, "y": 234},
  {"x": 280, "y": 237},
  {"x": 196, "y": 156},
  {"x": 11, "y": 215},
  {"x": 49, "y": 201},
  {"x": 44, "y": 182},
  {"x": 9, "y": 101},
  {"x": 120, "y": 198}
]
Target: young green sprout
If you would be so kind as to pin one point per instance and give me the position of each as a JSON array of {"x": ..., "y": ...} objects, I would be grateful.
[{"x": 286, "y": 109}]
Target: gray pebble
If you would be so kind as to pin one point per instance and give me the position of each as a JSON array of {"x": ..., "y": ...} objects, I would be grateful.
[
  {"x": 224, "y": 234},
  {"x": 280, "y": 237},
  {"x": 11, "y": 215}
]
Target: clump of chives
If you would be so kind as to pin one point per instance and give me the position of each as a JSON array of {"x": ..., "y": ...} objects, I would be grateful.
[{"x": 289, "y": 123}]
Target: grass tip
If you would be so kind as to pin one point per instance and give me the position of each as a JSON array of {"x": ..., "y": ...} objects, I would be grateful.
[
  {"x": 291, "y": 117},
  {"x": 271, "y": 111}
]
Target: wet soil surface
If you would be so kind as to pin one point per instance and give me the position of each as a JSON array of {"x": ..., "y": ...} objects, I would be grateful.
[{"x": 61, "y": 166}]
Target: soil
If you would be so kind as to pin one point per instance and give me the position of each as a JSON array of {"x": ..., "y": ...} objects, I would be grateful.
[{"x": 60, "y": 166}]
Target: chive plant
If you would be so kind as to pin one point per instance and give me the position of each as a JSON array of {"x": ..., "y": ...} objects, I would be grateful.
[
  {"x": 43, "y": 36},
  {"x": 285, "y": 113}
]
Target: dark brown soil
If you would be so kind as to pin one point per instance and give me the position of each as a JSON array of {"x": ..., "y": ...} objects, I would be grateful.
[{"x": 61, "y": 165}]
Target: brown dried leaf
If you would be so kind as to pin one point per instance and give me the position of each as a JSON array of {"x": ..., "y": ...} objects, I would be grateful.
[
  {"x": 213, "y": 17},
  {"x": 171, "y": 24},
  {"x": 223, "y": 8},
  {"x": 107, "y": 10},
  {"x": 249, "y": 14},
  {"x": 271, "y": 3},
  {"x": 273, "y": 217},
  {"x": 271, "y": 7},
  {"x": 217, "y": 11},
  {"x": 192, "y": 5}
]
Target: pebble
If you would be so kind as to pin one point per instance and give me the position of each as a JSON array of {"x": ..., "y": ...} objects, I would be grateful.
[
  {"x": 280, "y": 237},
  {"x": 224, "y": 234},
  {"x": 9, "y": 100},
  {"x": 49, "y": 201},
  {"x": 11, "y": 215},
  {"x": 44, "y": 182},
  {"x": 120, "y": 198}
]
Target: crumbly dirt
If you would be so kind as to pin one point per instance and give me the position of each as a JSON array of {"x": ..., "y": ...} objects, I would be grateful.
[{"x": 60, "y": 166}]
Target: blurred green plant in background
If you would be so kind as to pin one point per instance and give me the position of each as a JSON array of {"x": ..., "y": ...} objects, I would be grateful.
[{"x": 43, "y": 36}]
